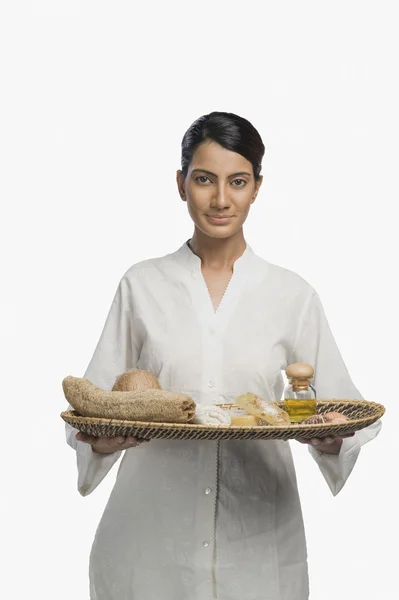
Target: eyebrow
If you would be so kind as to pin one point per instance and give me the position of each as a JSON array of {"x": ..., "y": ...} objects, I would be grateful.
[{"x": 214, "y": 174}]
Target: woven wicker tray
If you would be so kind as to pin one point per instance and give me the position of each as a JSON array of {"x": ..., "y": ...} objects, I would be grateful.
[{"x": 361, "y": 413}]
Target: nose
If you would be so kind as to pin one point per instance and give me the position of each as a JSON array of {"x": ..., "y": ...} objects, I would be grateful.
[{"x": 221, "y": 198}]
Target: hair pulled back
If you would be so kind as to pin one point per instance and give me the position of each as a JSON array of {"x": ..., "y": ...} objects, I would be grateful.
[{"x": 228, "y": 130}]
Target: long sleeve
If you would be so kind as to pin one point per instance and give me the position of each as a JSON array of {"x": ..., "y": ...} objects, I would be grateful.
[
  {"x": 116, "y": 351},
  {"x": 315, "y": 345}
]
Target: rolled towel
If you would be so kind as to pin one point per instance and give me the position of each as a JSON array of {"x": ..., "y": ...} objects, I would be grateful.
[
  {"x": 211, "y": 415},
  {"x": 158, "y": 406}
]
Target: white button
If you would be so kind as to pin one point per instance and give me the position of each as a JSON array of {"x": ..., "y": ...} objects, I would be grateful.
[
  {"x": 212, "y": 331},
  {"x": 211, "y": 383},
  {"x": 208, "y": 491},
  {"x": 206, "y": 544}
]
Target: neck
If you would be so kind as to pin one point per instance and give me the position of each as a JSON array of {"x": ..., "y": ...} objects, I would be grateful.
[{"x": 218, "y": 254}]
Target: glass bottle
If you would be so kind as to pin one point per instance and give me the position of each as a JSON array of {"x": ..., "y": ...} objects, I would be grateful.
[{"x": 299, "y": 394}]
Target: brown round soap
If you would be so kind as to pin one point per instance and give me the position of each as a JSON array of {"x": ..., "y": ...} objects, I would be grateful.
[
  {"x": 335, "y": 417},
  {"x": 314, "y": 420}
]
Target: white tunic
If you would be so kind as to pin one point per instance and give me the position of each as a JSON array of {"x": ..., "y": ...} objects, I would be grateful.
[{"x": 196, "y": 520}]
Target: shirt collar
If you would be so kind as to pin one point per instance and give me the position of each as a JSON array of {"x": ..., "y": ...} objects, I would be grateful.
[{"x": 186, "y": 257}]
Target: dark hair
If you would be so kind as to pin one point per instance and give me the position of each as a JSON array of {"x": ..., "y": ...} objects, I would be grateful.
[{"x": 230, "y": 131}]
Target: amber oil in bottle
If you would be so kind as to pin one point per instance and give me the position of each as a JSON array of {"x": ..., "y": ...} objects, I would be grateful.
[{"x": 299, "y": 394}]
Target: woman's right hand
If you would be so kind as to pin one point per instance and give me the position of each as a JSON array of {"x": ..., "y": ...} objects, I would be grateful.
[{"x": 106, "y": 445}]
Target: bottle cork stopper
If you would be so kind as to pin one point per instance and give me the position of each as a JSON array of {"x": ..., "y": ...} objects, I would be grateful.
[{"x": 299, "y": 371}]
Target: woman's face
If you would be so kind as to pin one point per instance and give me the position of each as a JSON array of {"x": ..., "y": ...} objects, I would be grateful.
[{"x": 219, "y": 183}]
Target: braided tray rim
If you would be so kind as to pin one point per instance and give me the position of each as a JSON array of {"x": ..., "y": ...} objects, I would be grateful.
[{"x": 364, "y": 414}]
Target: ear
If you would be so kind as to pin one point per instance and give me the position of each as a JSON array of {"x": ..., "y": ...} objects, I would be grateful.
[
  {"x": 257, "y": 187},
  {"x": 180, "y": 184}
]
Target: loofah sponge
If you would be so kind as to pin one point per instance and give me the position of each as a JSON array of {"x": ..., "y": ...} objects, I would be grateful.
[{"x": 159, "y": 406}]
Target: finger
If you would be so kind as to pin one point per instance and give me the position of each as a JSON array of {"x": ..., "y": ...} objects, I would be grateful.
[
  {"x": 117, "y": 443},
  {"x": 120, "y": 439},
  {"x": 82, "y": 437},
  {"x": 106, "y": 442},
  {"x": 132, "y": 441},
  {"x": 315, "y": 441}
]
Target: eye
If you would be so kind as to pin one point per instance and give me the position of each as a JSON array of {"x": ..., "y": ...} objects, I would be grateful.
[{"x": 204, "y": 178}]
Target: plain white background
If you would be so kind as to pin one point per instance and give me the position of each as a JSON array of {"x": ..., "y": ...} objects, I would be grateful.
[{"x": 96, "y": 97}]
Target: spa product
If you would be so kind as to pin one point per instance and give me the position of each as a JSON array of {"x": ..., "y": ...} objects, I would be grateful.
[
  {"x": 241, "y": 418},
  {"x": 134, "y": 380},
  {"x": 314, "y": 420},
  {"x": 330, "y": 418},
  {"x": 211, "y": 415},
  {"x": 335, "y": 417},
  {"x": 266, "y": 410},
  {"x": 159, "y": 406},
  {"x": 299, "y": 395}
]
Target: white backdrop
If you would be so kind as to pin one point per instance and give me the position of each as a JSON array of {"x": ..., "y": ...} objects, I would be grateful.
[{"x": 96, "y": 98}]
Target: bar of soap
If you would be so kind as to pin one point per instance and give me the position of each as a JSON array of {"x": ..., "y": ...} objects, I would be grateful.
[
  {"x": 244, "y": 420},
  {"x": 266, "y": 410}
]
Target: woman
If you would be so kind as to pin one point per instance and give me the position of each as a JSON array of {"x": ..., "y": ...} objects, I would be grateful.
[{"x": 195, "y": 520}]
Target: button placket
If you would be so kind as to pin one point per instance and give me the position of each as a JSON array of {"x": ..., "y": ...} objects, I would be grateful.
[
  {"x": 211, "y": 359},
  {"x": 206, "y": 485}
]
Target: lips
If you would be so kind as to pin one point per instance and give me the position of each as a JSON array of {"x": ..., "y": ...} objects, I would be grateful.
[
  {"x": 219, "y": 216},
  {"x": 216, "y": 220}
]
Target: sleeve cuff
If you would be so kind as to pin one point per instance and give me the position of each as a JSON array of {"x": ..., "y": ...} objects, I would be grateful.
[
  {"x": 336, "y": 468},
  {"x": 92, "y": 467}
]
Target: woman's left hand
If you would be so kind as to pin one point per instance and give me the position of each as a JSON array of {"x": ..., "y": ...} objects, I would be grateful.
[{"x": 327, "y": 445}]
